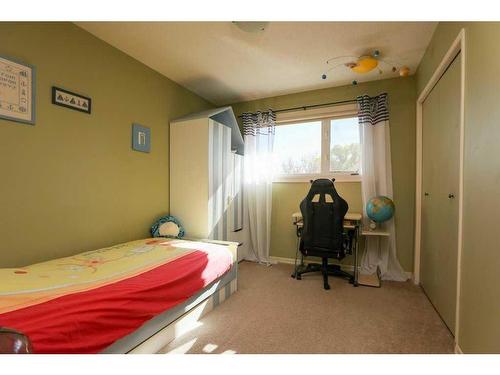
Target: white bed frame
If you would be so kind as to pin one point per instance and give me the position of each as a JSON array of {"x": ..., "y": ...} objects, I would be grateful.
[{"x": 158, "y": 332}]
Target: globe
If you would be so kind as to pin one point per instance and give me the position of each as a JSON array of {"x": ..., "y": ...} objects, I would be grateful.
[{"x": 380, "y": 209}]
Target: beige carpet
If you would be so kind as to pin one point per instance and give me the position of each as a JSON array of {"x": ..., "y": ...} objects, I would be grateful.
[{"x": 273, "y": 313}]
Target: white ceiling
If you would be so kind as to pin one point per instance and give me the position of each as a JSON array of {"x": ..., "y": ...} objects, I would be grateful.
[{"x": 224, "y": 64}]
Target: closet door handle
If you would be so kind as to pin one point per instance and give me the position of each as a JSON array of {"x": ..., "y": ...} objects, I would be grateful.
[
  {"x": 451, "y": 196},
  {"x": 426, "y": 194}
]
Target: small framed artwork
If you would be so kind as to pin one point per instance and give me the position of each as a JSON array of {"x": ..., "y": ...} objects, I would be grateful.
[
  {"x": 69, "y": 99},
  {"x": 17, "y": 91},
  {"x": 141, "y": 138}
]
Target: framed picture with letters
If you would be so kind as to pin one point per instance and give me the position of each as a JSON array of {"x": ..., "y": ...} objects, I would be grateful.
[
  {"x": 17, "y": 91},
  {"x": 141, "y": 138},
  {"x": 71, "y": 100}
]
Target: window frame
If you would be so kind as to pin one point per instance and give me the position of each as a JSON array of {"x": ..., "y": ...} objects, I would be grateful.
[{"x": 325, "y": 150}]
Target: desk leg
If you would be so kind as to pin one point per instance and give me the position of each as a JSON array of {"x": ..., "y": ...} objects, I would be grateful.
[
  {"x": 294, "y": 275},
  {"x": 356, "y": 248}
]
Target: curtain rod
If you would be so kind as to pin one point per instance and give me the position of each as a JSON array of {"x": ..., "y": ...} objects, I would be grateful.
[{"x": 305, "y": 107}]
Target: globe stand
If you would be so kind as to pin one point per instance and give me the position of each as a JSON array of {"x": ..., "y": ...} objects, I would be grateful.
[{"x": 379, "y": 209}]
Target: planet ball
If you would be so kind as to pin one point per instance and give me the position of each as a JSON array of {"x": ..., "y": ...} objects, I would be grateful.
[{"x": 380, "y": 209}]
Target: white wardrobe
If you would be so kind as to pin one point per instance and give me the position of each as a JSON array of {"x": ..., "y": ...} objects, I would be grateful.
[{"x": 206, "y": 167}]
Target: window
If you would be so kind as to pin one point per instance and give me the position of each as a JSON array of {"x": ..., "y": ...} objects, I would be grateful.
[
  {"x": 297, "y": 148},
  {"x": 345, "y": 149},
  {"x": 321, "y": 148}
]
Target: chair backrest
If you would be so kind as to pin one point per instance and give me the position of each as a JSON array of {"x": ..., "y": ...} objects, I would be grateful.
[{"x": 323, "y": 211}]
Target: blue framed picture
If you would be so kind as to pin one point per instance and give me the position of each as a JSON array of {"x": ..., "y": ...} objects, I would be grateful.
[
  {"x": 17, "y": 91},
  {"x": 141, "y": 138}
]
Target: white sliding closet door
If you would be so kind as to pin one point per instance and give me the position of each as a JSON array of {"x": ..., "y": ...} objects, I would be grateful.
[{"x": 440, "y": 187}]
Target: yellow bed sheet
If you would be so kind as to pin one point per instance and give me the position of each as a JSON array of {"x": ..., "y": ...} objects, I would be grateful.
[{"x": 21, "y": 287}]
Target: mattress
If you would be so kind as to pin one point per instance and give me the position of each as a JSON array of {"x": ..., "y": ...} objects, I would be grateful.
[{"x": 84, "y": 303}]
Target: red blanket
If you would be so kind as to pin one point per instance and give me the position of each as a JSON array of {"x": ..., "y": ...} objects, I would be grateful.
[{"x": 89, "y": 321}]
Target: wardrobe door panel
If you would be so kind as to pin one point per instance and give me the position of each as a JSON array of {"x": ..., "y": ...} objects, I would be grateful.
[
  {"x": 440, "y": 182},
  {"x": 219, "y": 171}
]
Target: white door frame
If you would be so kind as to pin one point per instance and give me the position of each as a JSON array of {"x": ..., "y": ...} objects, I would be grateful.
[{"x": 457, "y": 46}]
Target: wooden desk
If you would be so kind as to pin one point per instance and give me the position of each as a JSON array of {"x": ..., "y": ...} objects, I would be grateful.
[{"x": 350, "y": 216}]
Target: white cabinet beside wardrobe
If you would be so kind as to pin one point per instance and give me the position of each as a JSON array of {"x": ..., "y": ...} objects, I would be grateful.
[{"x": 206, "y": 166}]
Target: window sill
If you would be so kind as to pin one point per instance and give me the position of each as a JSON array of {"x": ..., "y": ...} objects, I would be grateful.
[{"x": 339, "y": 177}]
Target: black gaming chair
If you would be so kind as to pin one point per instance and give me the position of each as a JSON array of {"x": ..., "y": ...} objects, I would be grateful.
[{"x": 323, "y": 235}]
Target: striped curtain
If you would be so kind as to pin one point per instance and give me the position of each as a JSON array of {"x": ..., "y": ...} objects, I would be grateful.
[
  {"x": 261, "y": 123},
  {"x": 258, "y": 130},
  {"x": 376, "y": 179},
  {"x": 371, "y": 111}
]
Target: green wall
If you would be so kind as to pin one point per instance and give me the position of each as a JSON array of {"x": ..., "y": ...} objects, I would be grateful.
[
  {"x": 72, "y": 182},
  {"x": 479, "y": 320},
  {"x": 287, "y": 196}
]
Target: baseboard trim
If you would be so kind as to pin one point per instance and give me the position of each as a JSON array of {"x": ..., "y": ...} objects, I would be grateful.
[
  {"x": 458, "y": 350},
  {"x": 346, "y": 267},
  {"x": 283, "y": 260}
]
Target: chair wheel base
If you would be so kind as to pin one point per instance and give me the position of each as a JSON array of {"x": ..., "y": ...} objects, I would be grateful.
[{"x": 326, "y": 270}]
